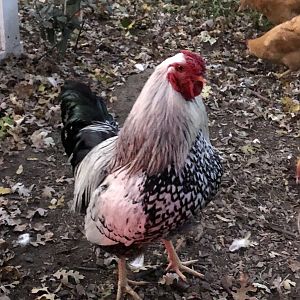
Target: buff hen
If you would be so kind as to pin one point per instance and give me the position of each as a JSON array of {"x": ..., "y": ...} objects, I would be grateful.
[
  {"x": 277, "y": 11},
  {"x": 280, "y": 45}
]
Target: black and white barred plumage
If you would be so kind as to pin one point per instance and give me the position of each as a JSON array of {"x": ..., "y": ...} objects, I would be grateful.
[
  {"x": 160, "y": 203},
  {"x": 86, "y": 121},
  {"x": 171, "y": 198}
]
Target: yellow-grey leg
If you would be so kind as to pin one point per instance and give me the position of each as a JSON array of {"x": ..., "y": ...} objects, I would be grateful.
[
  {"x": 123, "y": 282},
  {"x": 177, "y": 265}
]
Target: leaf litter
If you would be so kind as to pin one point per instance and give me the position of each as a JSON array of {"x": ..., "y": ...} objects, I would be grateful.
[{"x": 254, "y": 122}]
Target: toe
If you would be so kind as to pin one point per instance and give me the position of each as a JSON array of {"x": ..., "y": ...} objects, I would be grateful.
[
  {"x": 191, "y": 271},
  {"x": 180, "y": 274},
  {"x": 132, "y": 293}
]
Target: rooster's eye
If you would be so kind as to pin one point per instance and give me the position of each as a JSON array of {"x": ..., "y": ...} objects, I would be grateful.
[{"x": 179, "y": 68}]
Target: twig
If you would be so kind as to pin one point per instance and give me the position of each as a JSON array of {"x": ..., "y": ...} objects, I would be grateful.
[
  {"x": 86, "y": 268},
  {"x": 64, "y": 251},
  {"x": 65, "y": 26},
  {"x": 259, "y": 96},
  {"x": 47, "y": 52},
  {"x": 179, "y": 244},
  {"x": 78, "y": 36},
  {"x": 280, "y": 230}
]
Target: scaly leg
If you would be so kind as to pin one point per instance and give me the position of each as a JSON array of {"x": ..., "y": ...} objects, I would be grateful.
[
  {"x": 177, "y": 265},
  {"x": 123, "y": 286}
]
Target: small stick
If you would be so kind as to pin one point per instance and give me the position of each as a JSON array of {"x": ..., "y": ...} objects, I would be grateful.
[
  {"x": 78, "y": 36},
  {"x": 86, "y": 268},
  {"x": 280, "y": 230},
  {"x": 259, "y": 96},
  {"x": 47, "y": 52},
  {"x": 179, "y": 243},
  {"x": 64, "y": 251}
]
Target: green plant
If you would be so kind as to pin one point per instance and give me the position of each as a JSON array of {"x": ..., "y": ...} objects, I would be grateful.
[
  {"x": 5, "y": 123},
  {"x": 259, "y": 21},
  {"x": 216, "y": 8},
  {"x": 58, "y": 20}
]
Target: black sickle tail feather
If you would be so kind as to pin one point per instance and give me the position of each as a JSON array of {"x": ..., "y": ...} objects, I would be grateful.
[{"x": 86, "y": 120}]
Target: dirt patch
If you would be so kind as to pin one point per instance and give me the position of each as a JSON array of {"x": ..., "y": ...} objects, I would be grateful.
[{"x": 249, "y": 123}]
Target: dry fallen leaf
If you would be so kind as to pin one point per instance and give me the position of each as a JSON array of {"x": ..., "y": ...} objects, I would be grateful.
[
  {"x": 45, "y": 294},
  {"x": 5, "y": 288},
  {"x": 20, "y": 170},
  {"x": 68, "y": 278},
  {"x": 47, "y": 192},
  {"x": 287, "y": 284},
  {"x": 9, "y": 273},
  {"x": 5, "y": 191},
  {"x": 168, "y": 279},
  {"x": 38, "y": 290},
  {"x": 46, "y": 297},
  {"x": 226, "y": 282},
  {"x": 42, "y": 239},
  {"x": 40, "y": 226},
  {"x": 205, "y": 37},
  {"x": 57, "y": 203},
  {"x": 248, "y": 149},
  {"x": 21, "y": 189},
  {"x": 206, "y": 91},
  {"x": 223, "y": 219},
  {"x": 294, "y": 265},
  {"x": 38, "y": 212},
  {"x": 3, "y": 244},
  {"x": 262, "y": 286},
  {"x": 40, "y": 139},
  {"x": 290, "y": 105},
  {"x": 20, "y": 227},
  {"x": 245, "y": 287}
]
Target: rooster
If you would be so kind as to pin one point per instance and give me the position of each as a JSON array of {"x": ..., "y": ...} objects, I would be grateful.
[{"x": 143, "y": 183}]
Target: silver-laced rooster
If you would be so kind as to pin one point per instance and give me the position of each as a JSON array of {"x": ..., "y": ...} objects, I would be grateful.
[{"x": 142, "y": 183}]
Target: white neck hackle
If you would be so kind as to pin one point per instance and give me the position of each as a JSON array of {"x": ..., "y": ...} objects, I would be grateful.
[{"x": 161, "y": 126}]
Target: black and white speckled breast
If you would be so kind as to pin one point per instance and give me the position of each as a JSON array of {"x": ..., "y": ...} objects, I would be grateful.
[
  {"x": 128, "y": 212},
  {"x": 170, "y": 199}
]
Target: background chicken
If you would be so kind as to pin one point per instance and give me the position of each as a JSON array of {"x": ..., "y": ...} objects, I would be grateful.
[
  {"x": 280, "y": 45},
  {"x": 144, "y": 184},
  {"x": 277, "y": 11}
]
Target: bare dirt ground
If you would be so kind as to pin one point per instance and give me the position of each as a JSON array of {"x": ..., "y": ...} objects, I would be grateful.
[{"x": 252, "y": 122}]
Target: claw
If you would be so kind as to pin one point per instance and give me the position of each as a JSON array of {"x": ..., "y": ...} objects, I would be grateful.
[{"x": 177, "y": 265}]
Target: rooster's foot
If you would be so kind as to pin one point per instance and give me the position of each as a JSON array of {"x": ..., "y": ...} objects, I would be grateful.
[
  {"x": 123, "y": 283},
  {"x": 177, "y": 265}
]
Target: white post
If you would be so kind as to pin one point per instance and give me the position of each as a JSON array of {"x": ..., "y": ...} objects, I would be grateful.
[{"x": 9, "y": 28}]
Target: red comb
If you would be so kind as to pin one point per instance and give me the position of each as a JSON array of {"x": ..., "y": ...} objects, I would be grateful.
[{"x": 194, "y": 58}]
